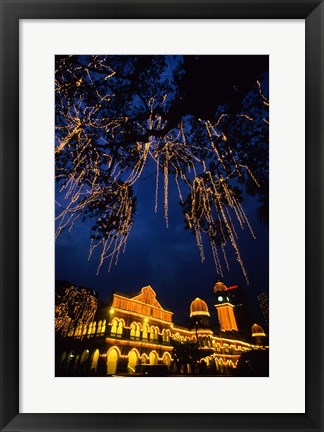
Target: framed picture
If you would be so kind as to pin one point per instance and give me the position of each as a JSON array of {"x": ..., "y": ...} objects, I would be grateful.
[{"x": 131, "y": 354}]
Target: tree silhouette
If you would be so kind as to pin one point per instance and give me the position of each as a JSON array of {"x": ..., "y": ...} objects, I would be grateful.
[{"x": 202, "y": 120}]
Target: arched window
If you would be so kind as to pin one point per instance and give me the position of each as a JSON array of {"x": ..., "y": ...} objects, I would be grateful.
[
  {"x": 71, "y": 331},
  {"x": 154, "y": 334},
  {"x": 69, "y": 357},
  {"x": 114, "y": 327},
  {"x": 120, "y": 329},
  {"x": 145, "y": 332},
  {"x": 103, "y": 327},
  {"x": 76, "y": 363},
  {"x": 63, "y": 357},
  {"x": 112, "y": 360},
  {"x": 94, "y": 363},
  {"x": 153, "y": 358},
  {"x": 90, "y": 329},
  {"x": 133, "y": 330},
  {"x": 132, "y": 361},
  {"x": 77, "y": 331},
  {"x": 82, "y": 367},
  {"x": 138, "y": 332},
  {"x": 93, "y": 327},
  {"x": 167, "y": 359},
  {"x": 84, "y": 357},
  {"x": 99, "y": 327},
  {"x": 84, "y": 330}
]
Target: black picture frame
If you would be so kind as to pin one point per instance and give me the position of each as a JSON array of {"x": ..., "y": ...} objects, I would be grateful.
[{"x": 11, "y": 12}]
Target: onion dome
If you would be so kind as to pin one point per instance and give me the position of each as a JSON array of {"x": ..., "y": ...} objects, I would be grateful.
[
  {"x": 198, "y": 307},
  {"x": 220, "y": 286},
  {"x": 257, "y": 330}
]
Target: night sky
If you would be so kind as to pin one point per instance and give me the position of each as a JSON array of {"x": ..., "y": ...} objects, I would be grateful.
[{"x": 166, "y": 258}]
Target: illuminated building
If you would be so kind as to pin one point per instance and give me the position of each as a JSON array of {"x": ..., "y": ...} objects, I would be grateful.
[
  {"x": 237, "y": 298},
  {"x": 199, "y": 313},
  {"x": 225, "y": 308},
  {"x": 136, "y": 330},
  {"x": 258, "y": 334}
]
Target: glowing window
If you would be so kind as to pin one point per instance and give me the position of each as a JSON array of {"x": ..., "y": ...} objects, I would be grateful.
[
  {"x": 90, "y": 328},
  {"x": 132, "y": 330},
  {"x": 145, "y": 332},
  {"x": 99, "y": 327},
  {"x": 114, "y": 326},
  {"x": 94, "y": 363},
  {"x": 103, "y": 327},
  {"x": 93, "y": 327},
  {"x": 138, "y": 331},
  {"x": 120, "y": 328}
]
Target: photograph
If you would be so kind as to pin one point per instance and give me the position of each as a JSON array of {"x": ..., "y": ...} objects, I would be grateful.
[
  {"x": 158, "y": 236},
  {"x": 162, "y": 216}
]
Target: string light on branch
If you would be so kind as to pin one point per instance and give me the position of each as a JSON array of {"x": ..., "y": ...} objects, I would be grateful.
[
  {"x": 101, "y": 156},
  {"x": 75, "y": 309}
]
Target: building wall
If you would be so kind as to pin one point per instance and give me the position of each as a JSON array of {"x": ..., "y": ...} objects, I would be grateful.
[{"x": 138, "y": 331}]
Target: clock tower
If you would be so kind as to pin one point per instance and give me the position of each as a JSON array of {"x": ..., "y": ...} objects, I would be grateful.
[{"x": 225, "y": 308}]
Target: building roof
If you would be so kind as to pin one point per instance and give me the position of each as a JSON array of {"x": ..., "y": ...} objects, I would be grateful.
[
  {"x": 143, "y": 303},
  {"x": 257, "y": 330},
  {"x": 198, "y": 307},
  {"x": 220, "y": 286}
]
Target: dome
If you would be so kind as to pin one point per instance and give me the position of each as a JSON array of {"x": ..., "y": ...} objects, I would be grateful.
[
  {"x": 257, "y": 330},
  {"x": 220, "y": 286},
  {"x": 198, "y": 307}
]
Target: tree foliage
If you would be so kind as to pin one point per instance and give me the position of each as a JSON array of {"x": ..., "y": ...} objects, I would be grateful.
[{"x": 202, "y": 120}]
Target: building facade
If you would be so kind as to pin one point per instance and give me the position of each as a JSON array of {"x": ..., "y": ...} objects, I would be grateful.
[{"x": 136, "y": 330}]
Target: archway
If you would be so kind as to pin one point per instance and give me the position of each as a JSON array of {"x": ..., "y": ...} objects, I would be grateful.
[
  {"x": 167, "y": 359},
  {"x": 94, "y": 363},
  {"x": 114, "y": 327},
  {"x": 63, "y": 357},
  {"x": 84, "y": 356},
  {"x": 112, "y": 359},
  {"x": 83, "y": 364},
  {"x": 153, "y": 358},
  {"x": 69, "y": 361},
  {"x": 144, "y": 359},
  {"x": 132, "y": 361},
  {"x": 145, "y": 332}
]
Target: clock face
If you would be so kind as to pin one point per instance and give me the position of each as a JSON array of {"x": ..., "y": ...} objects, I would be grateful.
[{"x": 220, "y": 298}]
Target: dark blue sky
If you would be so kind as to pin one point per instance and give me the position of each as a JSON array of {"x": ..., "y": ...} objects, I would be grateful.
[
  {"x": 168, "y": 258},
  {"x": 165, "y": 258}
]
